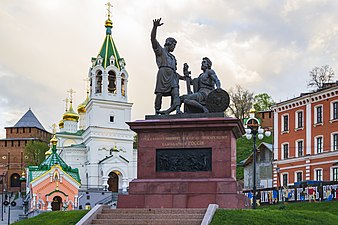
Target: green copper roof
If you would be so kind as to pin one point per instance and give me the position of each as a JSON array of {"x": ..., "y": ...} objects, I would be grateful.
[
  {"x": 49, "y": 162},
  {"x": 109, "y": 49}
]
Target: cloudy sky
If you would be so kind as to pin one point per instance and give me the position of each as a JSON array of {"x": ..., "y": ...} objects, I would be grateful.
[{"x": 264, "y": 45}]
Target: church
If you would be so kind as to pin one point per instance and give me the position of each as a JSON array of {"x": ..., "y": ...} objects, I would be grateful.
[{"x": 96, "y": 138}]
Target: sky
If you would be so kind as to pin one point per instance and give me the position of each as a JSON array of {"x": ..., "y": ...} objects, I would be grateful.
[{"x": 266, "y": 46}]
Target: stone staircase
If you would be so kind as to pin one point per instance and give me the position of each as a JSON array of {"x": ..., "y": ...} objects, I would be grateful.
[{"x": 161, "y": 216}]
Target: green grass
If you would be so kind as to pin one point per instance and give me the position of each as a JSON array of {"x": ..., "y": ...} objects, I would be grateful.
[
  {"x": 295, "y": 213},
  {"x": 55, "y": 218}
]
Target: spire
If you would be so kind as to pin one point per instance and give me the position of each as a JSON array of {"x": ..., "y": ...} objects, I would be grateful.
[
  {"x": 29, "y": 120},
  {"x": 108, "y": 54}
]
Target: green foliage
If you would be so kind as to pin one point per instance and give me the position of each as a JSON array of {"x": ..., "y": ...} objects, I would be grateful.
[
  {"x": 35, "y": 152},
  {"x": 241, "y": 101},
  {"x": 243, "y": 151},
  {"x": 55, "y": 218},
  {"x": 295, "y": 213},
  {"x": 263, "y": 102}
]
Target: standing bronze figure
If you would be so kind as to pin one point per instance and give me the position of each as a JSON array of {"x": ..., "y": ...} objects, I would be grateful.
[{"x": 167, "y": 81}]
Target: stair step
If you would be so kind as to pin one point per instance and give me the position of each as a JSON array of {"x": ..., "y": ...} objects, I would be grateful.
[
  {"x": 154, "y": 211},
  {"x": 147, "y": 222},
  {"x": 131, "y": 216}
]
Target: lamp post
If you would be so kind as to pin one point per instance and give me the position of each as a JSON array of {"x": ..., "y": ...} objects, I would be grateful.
[{"x": 254, "y": 130}]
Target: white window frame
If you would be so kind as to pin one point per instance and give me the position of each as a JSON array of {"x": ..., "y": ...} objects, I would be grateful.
[
  {"x": 282, "y": 180},
  {"x": 331, "y": 172},
  {"x": 296, "y": 149},
  {"x": 282, "y": 150},
  {"x": 282, "y": 123},
  {"x": 331, "y": 110},
  {"x": 315, "y": 174},
  {"x": 296, "y": 119},
  {"x": 332, "y": 141},
  {"x": 316, "y": 112},
  {"x": 298, "y": 171},
  {"x": 316, "y": 146}
]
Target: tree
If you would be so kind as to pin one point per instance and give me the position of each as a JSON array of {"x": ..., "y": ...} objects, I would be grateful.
[
  {"x": 320, "y": 76},
  {"x": 263, "y": 102},
  {"x": 241, "y": 101},
  {"x": 35, "y": 153}
]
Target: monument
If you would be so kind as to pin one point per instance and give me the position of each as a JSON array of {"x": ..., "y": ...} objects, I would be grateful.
[{"x": 185, "y": 160}]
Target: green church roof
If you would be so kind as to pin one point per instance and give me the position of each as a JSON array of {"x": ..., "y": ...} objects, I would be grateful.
[
  {"x": 109, "y": 49},
  {"x": 49, "y": 162}
]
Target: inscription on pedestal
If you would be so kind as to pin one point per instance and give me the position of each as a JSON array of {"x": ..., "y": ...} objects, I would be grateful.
[{"x": 183, "y": 160}]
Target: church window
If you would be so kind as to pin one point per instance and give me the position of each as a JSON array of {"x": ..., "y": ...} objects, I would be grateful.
[
  {"x": 123, "y": 85},
  {"x": 111, "y": 82},
  {"x": 111, "y": 119},
  {"x": 98, "y": 82}
]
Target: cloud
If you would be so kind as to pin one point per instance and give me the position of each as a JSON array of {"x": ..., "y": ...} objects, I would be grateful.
[{"x": 266, "y": 46}]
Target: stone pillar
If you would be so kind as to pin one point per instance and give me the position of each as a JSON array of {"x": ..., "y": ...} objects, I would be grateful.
[
  {"x": 49, "y": 206},
  {"x": 118, "y": 85},
  {"x": 104, "y": 84},
  {"x": 105, "y": 182},
  {"x": 124, "y": 184}
]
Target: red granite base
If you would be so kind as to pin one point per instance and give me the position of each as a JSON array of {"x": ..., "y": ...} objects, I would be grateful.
[
  {"x": 182, "y": 193},
  {"x": 190, "y": 188}
]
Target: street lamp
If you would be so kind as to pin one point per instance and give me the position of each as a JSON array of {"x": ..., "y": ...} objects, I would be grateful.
[{"x": 254, "y": 130}]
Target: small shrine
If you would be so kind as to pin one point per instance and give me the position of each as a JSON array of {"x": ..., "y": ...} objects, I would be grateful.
[{"x": 53, "y": 185}]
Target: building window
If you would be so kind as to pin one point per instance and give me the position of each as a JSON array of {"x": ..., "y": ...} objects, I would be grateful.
[
  {"x": 335, "y": 174},
  {"x": 319, "y": 144},
  {"x": 299, "y": 176},
  {"x": 319, "y": 174},
  {"x": 299, "y": 119},
  {"x": 335, "y": 142},
  {"x": 285, "y": 151},
  {"x": 285, "y": 180},
  {"x": 111, "y": 119},
  {"x": 319, "y": 114},
  {"x": 334, "y": 110},
  {"x": 285, "y": 124},
  {"x": 300, "y": 148}
]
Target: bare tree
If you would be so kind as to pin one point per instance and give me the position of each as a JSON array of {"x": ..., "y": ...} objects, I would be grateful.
[
  {"x": 241, "y": 101},
  {"x": 320, "y": 76}
]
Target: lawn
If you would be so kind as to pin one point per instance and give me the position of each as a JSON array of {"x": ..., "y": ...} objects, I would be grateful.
[
  {"x": 294, "y": 213},
  {"x": 55, "y": 218}
]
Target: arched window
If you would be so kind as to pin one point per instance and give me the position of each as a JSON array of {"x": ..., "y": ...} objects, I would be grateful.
[
  {"x": 111, "y": 82},
  {"x": 98, "y": 82},
  {"x": 15, "y": 180},
  {"x": 123, "y": 85}
]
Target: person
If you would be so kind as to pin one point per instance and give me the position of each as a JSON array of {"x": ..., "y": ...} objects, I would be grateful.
[
  {"x": 203, "y": 85},
  {"x": 167, "y": 80}
]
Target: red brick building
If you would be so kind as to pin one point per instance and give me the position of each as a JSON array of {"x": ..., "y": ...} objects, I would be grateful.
[
  {"x": 12, "y": 148},
  {"x": 306, "y": 137}
]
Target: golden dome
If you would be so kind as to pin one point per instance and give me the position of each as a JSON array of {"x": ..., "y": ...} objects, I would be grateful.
[
  {"x": 81, "y": 109},
  {"x": 70, "y": 115},
  {"x": 108, "y": 23},
  {"x": 61, "y": 123}
]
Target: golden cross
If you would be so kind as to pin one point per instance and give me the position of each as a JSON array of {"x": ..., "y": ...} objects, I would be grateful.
[
  {"x": 66, "y": 100},
  {"x": 71, "y": 92},
  {"x": 54, "y": 128},
  {"x": 108, "y": 9},
  {"x": 87, "y": 84}
]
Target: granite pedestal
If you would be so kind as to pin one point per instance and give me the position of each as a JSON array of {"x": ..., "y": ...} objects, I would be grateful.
[{"x": 185, "y": 163}]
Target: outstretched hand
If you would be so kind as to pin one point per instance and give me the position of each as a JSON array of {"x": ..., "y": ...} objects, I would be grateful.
[{"x": 157, "y": 22}]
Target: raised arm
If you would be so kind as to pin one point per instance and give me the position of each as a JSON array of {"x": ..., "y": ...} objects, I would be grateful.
[{"x": 156, "y": 23}]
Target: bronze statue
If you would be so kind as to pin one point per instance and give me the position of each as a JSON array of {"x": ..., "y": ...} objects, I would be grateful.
[
  {"x": 167, "y": 81},
  {"x": 205, "y": 97}
]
